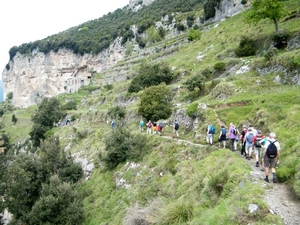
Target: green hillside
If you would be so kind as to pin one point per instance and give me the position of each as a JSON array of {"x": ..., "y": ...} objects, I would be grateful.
[{"x": 165, "y": 181}]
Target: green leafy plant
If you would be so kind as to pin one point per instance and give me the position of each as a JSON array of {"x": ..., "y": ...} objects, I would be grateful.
[
  {"x": 149, "y": 75},
  {"x": 246, "y": 47},
  {"x": 194, "y": 35},
  {"x": 156, "y": 103}
]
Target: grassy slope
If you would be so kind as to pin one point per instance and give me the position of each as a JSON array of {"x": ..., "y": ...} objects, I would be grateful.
[{"x": 199, "y": 173}]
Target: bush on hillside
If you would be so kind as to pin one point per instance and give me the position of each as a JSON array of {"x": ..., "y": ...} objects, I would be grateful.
[
  {"x": 58, "y": 204},
  {"x": 223, "y": 90},
  {"x": 156, "y": 103},
  {"x": 149, "y": 75},
  {"x": 280, "y": 39},
  {"x": 120, "y": 146},
  {"x": 173, "y": 212},
  {"x": 206, "y": 72},
  {"x": 246, "y": 47},
  {"x": 9, "y": 96},
  {"x": 71, "y": 105},
  {"x": 117, "y": 112},
  {"x": 220, "y": 66},
  {"x": 194, "y": 35},
  {"x": 210, "y": 8},
  {"x": 195, "y": 82},
  {"x": 191, "y": 111}
]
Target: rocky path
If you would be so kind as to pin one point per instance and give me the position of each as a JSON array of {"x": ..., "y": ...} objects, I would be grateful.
[{"x": 278, "y": 196}]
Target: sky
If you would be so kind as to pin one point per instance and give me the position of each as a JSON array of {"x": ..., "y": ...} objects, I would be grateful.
[{"x": 24, "y": 21}]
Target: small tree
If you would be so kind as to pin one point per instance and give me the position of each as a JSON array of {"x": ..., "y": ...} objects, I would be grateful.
[
  {"x": 194, "y": 35},
  {"x": 14, "y": 118},
  {"x": 9, "y": 96},
  {"x": 196, "y": 81},
  {"x": 58, "y": 204},
  {"x": 117, "y": 112},
  {"x": 266, "y": 9},
  {"x": 156, "y": 103}
]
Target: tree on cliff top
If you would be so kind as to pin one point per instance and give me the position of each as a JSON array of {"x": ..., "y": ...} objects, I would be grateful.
[{"x": 266, "y": 9}]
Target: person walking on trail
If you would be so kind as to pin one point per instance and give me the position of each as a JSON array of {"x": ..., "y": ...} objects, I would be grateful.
[
  {"x": 160, "y": 127},
  {"x": 263, "y": 142},
  {"x": 231, "y": 137},
  {"x": 242, "y": 137},
  {"x": 154, "y": 127},
  {"x": 149, "y": 127},
  {"x": 222, "y": 137},
  {"x": 175, "y": 129},
  {"x": 248, "y": 143},
  {"x": 210, "y": 131},
  {"x": 271, "y": 157},
  {"x": 257, "y": 147},
  {"x": 141, "y": 125},
  {"x": 113, "y": 124}
]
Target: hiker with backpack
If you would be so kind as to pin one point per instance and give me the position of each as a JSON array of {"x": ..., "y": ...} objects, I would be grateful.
[
  {"x": 160, "y": 127},
  {"x": 271, "y": 157},
  {"x": 263, "y": 143},
  {"x": 149, "y": 127},
  {"x": 233, "y": 131},
  {"x": 257, "y": 147},
  {"x": 248, "y": 143},
  {"x": 210, "y": 131},
  {"x": 242, "y": 137},
  {"x": 175, "y": 129},
  {"x": 141, "y": 125},
  {"x": 222, "y": 136}
]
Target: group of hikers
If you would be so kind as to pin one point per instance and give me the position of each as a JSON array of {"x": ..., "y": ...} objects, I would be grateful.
[
  {"x": 266, "y": 149},
  {"x": 156, "y": 127}
]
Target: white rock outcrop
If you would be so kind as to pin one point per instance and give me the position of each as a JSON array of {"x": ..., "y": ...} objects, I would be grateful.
[{"x": 32, "y": 77}]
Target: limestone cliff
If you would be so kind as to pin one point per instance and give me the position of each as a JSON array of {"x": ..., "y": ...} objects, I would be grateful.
[{"x": 32, "y": 77}]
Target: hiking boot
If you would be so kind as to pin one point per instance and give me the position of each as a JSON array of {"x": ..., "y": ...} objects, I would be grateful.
[
  {"x": 267, "y": 180},
  {"x": 257, "y": 164},
  {"x": 275, "y": 180}
]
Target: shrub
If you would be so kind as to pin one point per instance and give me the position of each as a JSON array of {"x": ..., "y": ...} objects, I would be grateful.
[
  {"x": 156, "y": 103},
  {"x": 295, "y": 62},
  {"x": 71, "y": 105},
  {"x": 117, "y": 112},
  {"x": 280, "y": 39},
  {"x": 191, "y": 111},
  {"x": 175, "y": 212},
  {"x": 206, "y": 72},
  {"x": 120, "y": 146},
  {"x": 194, "y": 35},
  {"x": 196, "y": 81},
  {"x": 246, "y": 47},
  {"x": 220, "y": 66},
  {"x": 210, "y": 8},
  {"x": 270, "y": 53},
  {"x": 180, "y": 27},
  {"x": 149, "y": 75},
  {"x": 14, "y": 119},
  {"x": 9, "y": 96},
  {"x": 108, "y": 87}
]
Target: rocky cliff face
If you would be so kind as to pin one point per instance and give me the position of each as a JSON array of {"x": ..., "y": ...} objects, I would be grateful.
[{"x": 32, "y": 77}]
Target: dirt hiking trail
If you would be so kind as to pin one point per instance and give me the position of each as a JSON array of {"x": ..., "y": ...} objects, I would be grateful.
[{"x": 281, "y": 200}]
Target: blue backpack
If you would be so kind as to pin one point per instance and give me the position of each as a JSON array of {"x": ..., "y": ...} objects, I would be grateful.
[
  {"x": 212, "y": 129},
  {"x": 249, "y": 137}
]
